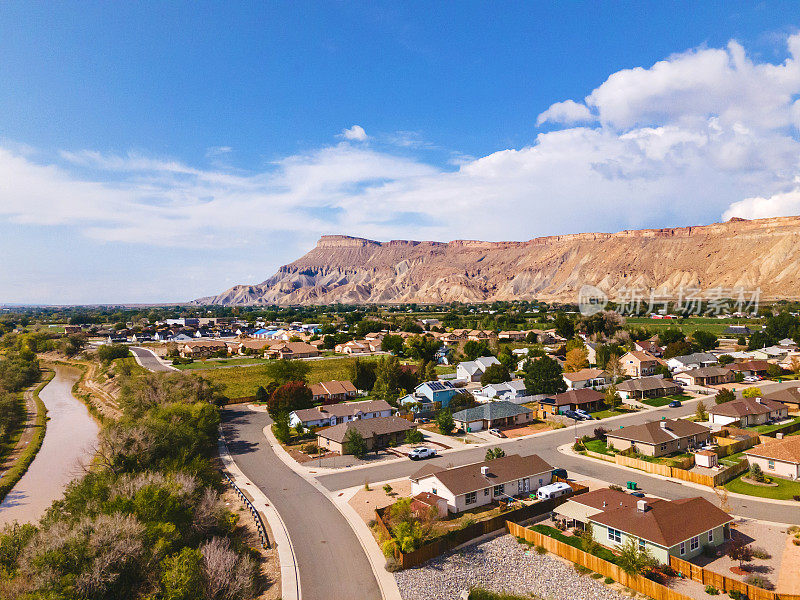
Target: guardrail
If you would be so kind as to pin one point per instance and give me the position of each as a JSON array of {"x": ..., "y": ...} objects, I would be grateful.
[{"x": 262, "y": 532}]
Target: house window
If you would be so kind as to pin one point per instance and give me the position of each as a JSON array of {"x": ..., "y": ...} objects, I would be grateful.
[
  {"x": 641, "y": 543},
  {"x": 771, "y": 464},
  {"x": 486, "y": 492},
  {"x": 694, "y": 543},
  {"x": 499, "y": 490},
  {"x": 614, "y": 535},
  {"x": 683, "y": 548},
  {"x": 433, "y": 491},
  {"x": 711, "y": 536},
  {"x": 471, "y": 498}
]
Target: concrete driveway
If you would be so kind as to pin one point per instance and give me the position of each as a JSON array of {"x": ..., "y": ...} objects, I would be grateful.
[{"x": 331, "y": 561}]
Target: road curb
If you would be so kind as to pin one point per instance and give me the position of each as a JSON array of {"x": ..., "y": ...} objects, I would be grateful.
[{"x": 290, "y": 572}]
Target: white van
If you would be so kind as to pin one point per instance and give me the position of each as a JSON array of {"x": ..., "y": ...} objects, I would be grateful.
[{"x": 554, "y": 490}]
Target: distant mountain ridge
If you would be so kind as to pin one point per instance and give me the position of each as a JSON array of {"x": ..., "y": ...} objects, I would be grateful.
[{"x": 761, "y": 253}]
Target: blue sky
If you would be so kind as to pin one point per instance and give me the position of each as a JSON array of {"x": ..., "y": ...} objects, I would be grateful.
[{"x": 155, "y": 152}]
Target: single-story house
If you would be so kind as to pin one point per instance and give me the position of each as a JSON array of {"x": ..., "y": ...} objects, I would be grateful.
[
  {"x": 773, "y": 353},
  {"x": 638, "y": 363},
  {"x": 789, "y": 397},
  {"x": 358, "y": 347},
  {"x": 585, "y": 399},
  {"x": 328, "y": 392},
  {"x": 663, "y": 527},
  {"x": 705, "y": 376},
  {"x": 293, "y": 350},
  {"x": 473, "y": 370},
  {"x": 378, "y": 433},
  {"x": 660, "y": 438},
  {"x": 747, "y": 412},
  {"x": 512, "y": 335},
  {"x": 780, "y": 457},
  {"x": 499, "y": 413},
  {"x": 647, "y": 387},
  {"x": 750, "y": 367},
  {"x": 202, "y": 349},
  {"x": 686, "y": 362},
  {"x": 333, "y": 414},
  {"x": 252, "y": 346},
  {"x": 431, "y": 395},
  {"x": 586, "y": 378},
  {"x": 482, "y": 483},
  {"x": 509, "y": 390}
]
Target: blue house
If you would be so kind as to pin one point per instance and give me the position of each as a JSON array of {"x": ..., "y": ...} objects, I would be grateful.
[{"x": 431, "y": 395}]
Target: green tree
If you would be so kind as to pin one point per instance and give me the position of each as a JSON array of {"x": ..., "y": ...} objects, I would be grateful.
[
  {"x": 445, "y": 422},
  {"x": 294, "y": 395},
  {"x": 700, "y": 412},
  {"x": 725, "y": 359},
  {"x": 543, "y": 376},
  {"x": 430, "y": 373},
  {"x": 392, "y": 343},
  {"x": 111, "y": 352},
  {"x": 363, "y": 374},
  {"x": 723, "y": 396},
  {"x": 182, "y": 575},
  {"x": 705, "y": 339},
  {"x": 422, "y": 347},
  {"x": 280, "y": 427},
  {"x": 611, "y": 397},
  {"x": 387, "y": 378},
  {"x": 414, "y": 436},
  {"x": 670, "y": 336},
  {"x": 493, "y": 453},
  {"x": 495, "y": 374},
  {"x": 261, "y": 394},
  {"x": 564, "y": 326},
  {"x": 634, "y": 560},
  {"x": 679, "y": 348},
  {"x": 474, "y": 349},
  {"x": 774, "y": 370},
  {"x": 461, "y": 401},
  {"x": 354, "y": 443},
  {"x": 285, "y": 370},
  {"x": 753, "y": 392}
]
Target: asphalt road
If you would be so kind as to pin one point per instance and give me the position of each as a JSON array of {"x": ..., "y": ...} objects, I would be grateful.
[
  {"x": 331, "y": 561},
  {"x": 148, "y": 359},
  {"x": 545, "y": 445}
]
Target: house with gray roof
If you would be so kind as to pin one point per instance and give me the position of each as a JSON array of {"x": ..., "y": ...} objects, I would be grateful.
[
  {"x": 647, "y": 387},
  {"x": 500, "y": 413},
  {"x": 378, "y": 433},
  {"x": 696, "y": 360},
  {"x": 473, "y": 370}
]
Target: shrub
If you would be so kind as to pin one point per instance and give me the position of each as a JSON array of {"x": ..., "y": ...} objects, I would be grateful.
[
  {"x": 414, "y": 436},
  {"x": 758, "y": 581},
  {"x": 736, "y": 595},
  {"x": 608, "y": 580},
  {"x": 669, "y": 571},
  {"x": 761, "y": 553},
  {"x": 711, "y": 590},
  {"x": 615, "y": 487},
  {"x": 582, "y": 570},
  {"x": 596, "y": 576},
  {"x": 387, "y": 488},
  {"x": 541, "y": 550},
  {"x": 756, "y": 474},
  {"x": 309, "y": 448}
]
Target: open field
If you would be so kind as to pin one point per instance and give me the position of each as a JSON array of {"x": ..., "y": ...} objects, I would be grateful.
[
  {"x": 240, "y": 382},
  {"x": 688, "y": 326}
]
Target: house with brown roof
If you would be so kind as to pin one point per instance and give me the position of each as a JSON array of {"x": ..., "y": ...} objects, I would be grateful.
[
  {"x": 638, "y": 363},
  {"x": 659, "y": 438},
  {"x": 750, "y": 368},
  {"x": 202, "y": 349},
  {"x": 748, "y": 412},
  {"x": 780, "y": 457},
  {"x": 329, "y": 392},
  {"x": 663, "y": 527},
  {"x": 705, "y": 376},
  {"x": 378, "y": 433},
  {"x": 584, "y": 399},
  {"x": 333, "y": 414},
  {"x": 647, "y": 387},
  {"x": 485, "y": 482},
  {"x": 293, "y": 350},
  {"x": 789, "y": 397},
  {"x": 649, "y": 346},
  {"x": 586, "y": 378}
]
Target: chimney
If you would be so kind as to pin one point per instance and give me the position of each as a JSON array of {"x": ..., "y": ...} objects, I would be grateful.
[
  {"x": 758, "y": 399},
  {"x": 778, "y": 436},
  {"x": 641, "y": 506},
  {"x": 604, "y": 503},
  {"x": 485, "y": 471},
  {"x": 663, "y": 424}
]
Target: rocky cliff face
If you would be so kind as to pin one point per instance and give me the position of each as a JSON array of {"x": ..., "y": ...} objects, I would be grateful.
[{"x": 762, "y": 253}]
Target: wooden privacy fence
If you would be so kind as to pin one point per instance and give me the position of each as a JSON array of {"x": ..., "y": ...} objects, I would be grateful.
[
  {"x": 457, "y": 537},
  {"x": 641, "y": 584},
  {"x": 723, "y": 583},
  {"x": 719, "y": 478}
]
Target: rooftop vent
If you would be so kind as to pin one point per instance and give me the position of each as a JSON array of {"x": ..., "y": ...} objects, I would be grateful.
[
  {"x": 485, "y": 471},
  {"x": 663, "y": 424},
  {"x": 641, "y": 506}
]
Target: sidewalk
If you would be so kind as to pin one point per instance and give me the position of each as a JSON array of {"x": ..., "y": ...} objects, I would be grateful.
[{"x": 290, "y": 576}]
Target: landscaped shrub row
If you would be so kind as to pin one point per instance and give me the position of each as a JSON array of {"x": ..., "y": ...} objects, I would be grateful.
[{"x": 575, "y": 542}]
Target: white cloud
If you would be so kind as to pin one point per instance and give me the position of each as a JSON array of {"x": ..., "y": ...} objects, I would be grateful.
[
  {"x": 356, "y": 133},
  {"x": 697, "y": 135},
  {"x": 566, "y": 112}
]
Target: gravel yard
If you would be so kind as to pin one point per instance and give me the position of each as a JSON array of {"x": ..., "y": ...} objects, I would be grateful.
[{"x": 500, "y": 564}]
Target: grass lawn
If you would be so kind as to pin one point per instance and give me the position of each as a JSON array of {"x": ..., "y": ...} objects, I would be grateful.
[
  {"x": 610, "y": 412},
  {"x": 200, "y": 365},
  {"x": 665, "y": 400},
  {"x": 688, "y": 326},
  {"x": 243, "y": 382},
  {"x": 575, "y": 542},
  {"x": 785, "y": 489},
  {"x": 598, "y": 446},
  {"x": 771, "y": 428}
]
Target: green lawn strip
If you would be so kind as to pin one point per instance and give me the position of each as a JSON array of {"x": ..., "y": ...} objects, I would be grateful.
[
  {"x": 15, "y": 473},
  {"x": 484, "y": 594},
  {"x": 243, "y": 382},
  {"x": 771, "y": 428},
  {"x": 610, "y": 412},
  {"x": 8, "y": 446},
  {"x": 598, "y": 446},
  {"x": 575, "y": 542},
  {"x": 659, "y": 402},
  {"x": 785, "y": 490}
]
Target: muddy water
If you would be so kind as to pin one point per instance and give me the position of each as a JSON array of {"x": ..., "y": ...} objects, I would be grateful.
[{"x": 70, "y": 436}]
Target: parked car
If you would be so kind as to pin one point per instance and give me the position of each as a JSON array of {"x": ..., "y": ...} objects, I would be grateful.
[
  {"x": 752, "y": 379},
  {"x": 675, "y": 404},
  {"x": 496, "y": 432},
  {"x": 562, "y": 473},
  {"x": 681, "y": 382},
  {"x": 421, "y": 453},
  {"x": 584, "y": 414},
  {"x": 572, "y": 415},
  {"x": 637, "y": 494}
]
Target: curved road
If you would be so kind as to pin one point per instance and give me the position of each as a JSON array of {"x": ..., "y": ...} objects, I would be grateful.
[
  {"x": 331, "y": 561},
  {"x": 148, "y": 360},
  {"x": 70, "y": 434},
  {"x": 546, "y": 444}
]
